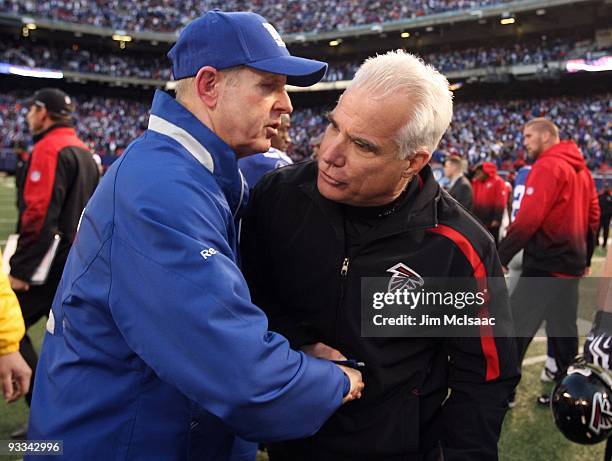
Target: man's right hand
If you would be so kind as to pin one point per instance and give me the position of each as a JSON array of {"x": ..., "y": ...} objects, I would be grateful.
[
  {"x": 15, "y": 376},
  {"x": 357, "y": 384},
  {"x": 323, "y": 351}
]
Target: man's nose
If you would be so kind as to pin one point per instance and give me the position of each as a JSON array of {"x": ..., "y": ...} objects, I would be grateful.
[
  {"x": 332, "y": 151},
  {"x": 283, "y": 104}
]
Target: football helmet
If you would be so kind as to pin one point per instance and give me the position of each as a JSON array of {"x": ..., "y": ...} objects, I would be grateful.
[{"x": 581, "y": 403}]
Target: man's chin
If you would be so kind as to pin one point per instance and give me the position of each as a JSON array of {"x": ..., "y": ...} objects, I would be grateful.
[
  {"x": 330, "y": 192},
  {"x": 255, "y": 148}
]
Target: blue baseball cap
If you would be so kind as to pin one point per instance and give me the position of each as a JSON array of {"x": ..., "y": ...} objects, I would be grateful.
[{"x": 223, "y": 40}]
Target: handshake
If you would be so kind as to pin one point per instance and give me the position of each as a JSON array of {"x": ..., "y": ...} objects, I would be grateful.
[{"x": 323, "y": 351}]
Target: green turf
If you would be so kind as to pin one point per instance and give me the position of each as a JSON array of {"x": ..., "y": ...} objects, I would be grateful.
[
  {"x": 8, "y": 208},
  {"x": 528, "y": 432}
]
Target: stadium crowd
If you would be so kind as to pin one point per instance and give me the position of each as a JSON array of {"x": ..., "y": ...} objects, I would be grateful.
[
  {"x": 534, "y": 52},
  {"x": 287, "y": 15},
  {"x": 490, "y": 130},
  {"x": 77, "y": 59},
  {"x": 122, "y": 64},
  {"x": 108, "y": 125}
]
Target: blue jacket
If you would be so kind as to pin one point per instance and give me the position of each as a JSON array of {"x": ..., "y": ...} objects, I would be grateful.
[
  {"x": 153, "y": 349},
  {"x": 255, "y": 166}
]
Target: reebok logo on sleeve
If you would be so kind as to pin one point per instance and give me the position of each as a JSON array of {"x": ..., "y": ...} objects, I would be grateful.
[{"x": 208, "y": 253}]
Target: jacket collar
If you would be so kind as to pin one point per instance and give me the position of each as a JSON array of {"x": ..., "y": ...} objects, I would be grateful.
[
  {"x": 170, "y": 118},
  {"x": 42, "y": 134},
  {"x": 419, "y": 212}
]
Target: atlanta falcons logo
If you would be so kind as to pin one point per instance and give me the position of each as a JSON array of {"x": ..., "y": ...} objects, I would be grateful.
[
  {"x": 601, "y": 416},
  {"x": 403, "y": 278}
]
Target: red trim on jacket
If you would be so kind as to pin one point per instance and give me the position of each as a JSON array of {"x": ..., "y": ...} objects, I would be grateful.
[
  {"x": 487, "y": 339},
  {"x": 38, "y": 187}
]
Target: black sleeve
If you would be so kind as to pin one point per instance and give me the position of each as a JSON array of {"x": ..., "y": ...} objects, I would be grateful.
[
  {"x": 464, "y": 195},
  {"x": 483, "y": 372},
  {"x": 255, "y": 246}
]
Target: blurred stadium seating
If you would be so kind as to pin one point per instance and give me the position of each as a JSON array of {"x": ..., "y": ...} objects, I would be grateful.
[{"x": 288, "y": 16}]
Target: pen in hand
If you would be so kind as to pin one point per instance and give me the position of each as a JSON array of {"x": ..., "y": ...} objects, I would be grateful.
[{"x": 350, "y": 363}]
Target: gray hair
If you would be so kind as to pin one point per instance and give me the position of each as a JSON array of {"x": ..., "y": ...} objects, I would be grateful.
[
  {"x": 185, "y": 86},
  {"x": 401, "y": 73}
]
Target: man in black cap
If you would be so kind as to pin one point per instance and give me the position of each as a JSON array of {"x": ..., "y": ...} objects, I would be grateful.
[{"x": 60, "y": 177}]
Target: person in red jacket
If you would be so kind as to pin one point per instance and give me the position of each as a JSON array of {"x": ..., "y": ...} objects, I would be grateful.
[
  {"x": 556, "y": 226},
  {"x": 490, "y": 196}
]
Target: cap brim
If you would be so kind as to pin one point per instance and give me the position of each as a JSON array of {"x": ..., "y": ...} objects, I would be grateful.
[{"x": 299, "y": 71}]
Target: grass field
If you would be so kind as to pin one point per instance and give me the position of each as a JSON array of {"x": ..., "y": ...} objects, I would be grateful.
[{"x": 528, "y": 433}]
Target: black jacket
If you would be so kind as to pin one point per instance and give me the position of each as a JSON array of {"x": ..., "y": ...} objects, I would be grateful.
[
  {"x": 462, "y": 192},
  {"x": 306, "y": 275},
  {"x": 61, "y": 176}
]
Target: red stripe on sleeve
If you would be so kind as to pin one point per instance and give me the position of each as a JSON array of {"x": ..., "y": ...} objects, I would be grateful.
[{"x": 487, "y": 339}]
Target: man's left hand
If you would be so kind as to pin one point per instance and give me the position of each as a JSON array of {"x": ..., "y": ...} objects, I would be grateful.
[{"x": 18, "y": 284}]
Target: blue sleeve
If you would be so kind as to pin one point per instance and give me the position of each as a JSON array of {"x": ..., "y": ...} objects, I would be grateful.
[
  {"x": 347, "y": 385},
  {"x": 183, "y": 306}
]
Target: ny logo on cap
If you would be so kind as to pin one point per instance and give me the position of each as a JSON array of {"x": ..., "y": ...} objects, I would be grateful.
[{"x": 275, "y": 35}]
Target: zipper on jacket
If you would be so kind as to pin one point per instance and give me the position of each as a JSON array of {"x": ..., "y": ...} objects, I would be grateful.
[
  {"x": 343, "y": 273},
  {"x": 345, "y": 266}
]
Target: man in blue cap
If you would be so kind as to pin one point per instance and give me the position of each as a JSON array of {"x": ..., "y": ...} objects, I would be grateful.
[{"x": 153, "y": 348}]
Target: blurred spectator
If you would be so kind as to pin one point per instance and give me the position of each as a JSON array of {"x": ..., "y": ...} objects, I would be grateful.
[
  {"x": 315, "y": 145},
  {"x": 61, "y": 176},
  {"x": 458, "y": 187},
  {"x": 490, "y": 196}
]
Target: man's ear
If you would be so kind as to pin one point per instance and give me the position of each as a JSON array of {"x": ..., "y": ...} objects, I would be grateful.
[
  {"x": 207, "y": 85},
  {"x": 44, "y": 114},
  {"x": 416, "y": 164}
]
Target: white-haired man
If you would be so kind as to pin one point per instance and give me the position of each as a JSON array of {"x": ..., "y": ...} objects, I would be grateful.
[
  {"x": 369, "y": 207},
  {"x": 153, "y": 348}
]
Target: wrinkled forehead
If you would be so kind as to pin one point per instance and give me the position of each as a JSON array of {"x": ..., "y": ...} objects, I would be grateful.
[{"x": 375, "y": 112}]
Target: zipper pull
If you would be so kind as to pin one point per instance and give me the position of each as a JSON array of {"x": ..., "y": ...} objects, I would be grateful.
[{"x": 345, "y": 266}]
